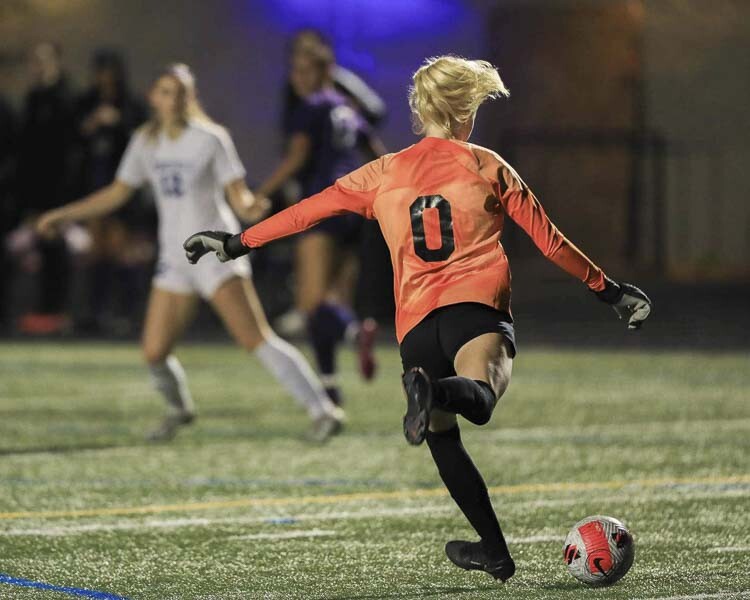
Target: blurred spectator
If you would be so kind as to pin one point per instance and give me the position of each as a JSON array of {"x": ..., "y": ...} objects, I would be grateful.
[
  {"x": 45, "y": 145},
  {"x": 106, "y": 116}
]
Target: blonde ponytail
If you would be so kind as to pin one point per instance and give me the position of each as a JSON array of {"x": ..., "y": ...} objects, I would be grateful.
[{"x": 448, "y": 90}]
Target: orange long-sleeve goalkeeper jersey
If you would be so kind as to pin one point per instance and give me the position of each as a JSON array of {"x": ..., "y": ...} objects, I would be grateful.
[{"x": 440, "y": 205}]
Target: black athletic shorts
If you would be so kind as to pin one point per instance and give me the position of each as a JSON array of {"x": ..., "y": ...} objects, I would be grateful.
[{"x": 435, "y": 341}]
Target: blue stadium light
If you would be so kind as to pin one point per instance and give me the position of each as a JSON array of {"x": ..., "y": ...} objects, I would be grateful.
[
  {"x": 366, "y": 19},
  {"x": 371, "y": 20},
  {"x": 356, "y": 26}
]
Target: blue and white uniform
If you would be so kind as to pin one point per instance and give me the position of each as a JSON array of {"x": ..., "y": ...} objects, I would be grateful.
[{"x": 188, "y": 175}]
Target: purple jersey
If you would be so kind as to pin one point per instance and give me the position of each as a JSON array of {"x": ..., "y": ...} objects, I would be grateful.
[{"x": 335, "y": 130}]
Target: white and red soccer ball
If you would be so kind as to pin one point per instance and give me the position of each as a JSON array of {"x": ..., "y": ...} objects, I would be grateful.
[{"x": 599, "y": 551}]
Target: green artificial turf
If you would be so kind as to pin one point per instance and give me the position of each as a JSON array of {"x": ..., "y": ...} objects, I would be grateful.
[{"x": 241, "y": 506}]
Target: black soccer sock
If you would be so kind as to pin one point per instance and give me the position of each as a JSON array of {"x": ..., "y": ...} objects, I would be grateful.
[
  {"x": 472, "y": 399},
  {"x": 324, "y": 338},
  {"x": 467, "y": 488},
  {"x": 327, "y": 325}
]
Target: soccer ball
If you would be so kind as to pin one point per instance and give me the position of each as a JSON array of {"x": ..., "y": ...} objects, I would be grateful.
[{"x": 599, "y": 551}]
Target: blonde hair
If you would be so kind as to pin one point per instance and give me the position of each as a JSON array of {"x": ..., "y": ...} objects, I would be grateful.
[
  {"x": 448, "y": 90},
  {"x": 187, "y": 105}
]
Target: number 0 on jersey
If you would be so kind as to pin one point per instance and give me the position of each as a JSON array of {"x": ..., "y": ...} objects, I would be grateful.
[{"x": 418, "y": 208}]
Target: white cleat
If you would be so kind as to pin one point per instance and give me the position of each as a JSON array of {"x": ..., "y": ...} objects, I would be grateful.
[
  {"x": 327, "y": 425},
  {"x": 169, "y": 426}
]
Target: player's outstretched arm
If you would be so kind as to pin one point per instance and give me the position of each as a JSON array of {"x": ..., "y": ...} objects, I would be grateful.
[
  {"x": 522, "y": 206},
  {"x": 100, "y": 203},
  {"x": 292, "y": 220},
  {"x": 353, "y": 193}
]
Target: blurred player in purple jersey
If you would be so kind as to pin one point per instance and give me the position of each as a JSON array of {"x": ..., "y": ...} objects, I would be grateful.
[
  {"x": 325, "y": 138},
  {"x": 360, "y": 95}
]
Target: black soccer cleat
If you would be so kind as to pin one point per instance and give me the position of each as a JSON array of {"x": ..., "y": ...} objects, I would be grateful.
[
  {"x": 418, "y": 388},
  {"x": 473, "y": 557},
  {"x": 334, "y": 395}
]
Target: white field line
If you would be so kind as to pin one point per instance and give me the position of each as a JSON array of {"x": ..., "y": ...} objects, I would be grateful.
[
  {"x": 700, "y": 596},
  {"x": 129, "y": 525},
  {"x": 303, "y": 533},
  {"x": 402, "y": 511},
  {"x": 654, "y": 427},
  {"x": 285, "y": 535},
  {"x": 730, "y": 549},
  {"x": 636, "y": 499}
]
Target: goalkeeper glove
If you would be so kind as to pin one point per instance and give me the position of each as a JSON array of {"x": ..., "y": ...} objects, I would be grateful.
[
  {"x": 627, "y": 301},
  {"x": 226, "y": 246}
]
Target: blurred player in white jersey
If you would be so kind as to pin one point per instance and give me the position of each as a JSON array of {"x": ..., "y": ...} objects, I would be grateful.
[{"x": 191, "y": 163}]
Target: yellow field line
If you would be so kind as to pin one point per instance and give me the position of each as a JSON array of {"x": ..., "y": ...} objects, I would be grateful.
[{"x": 563, "y": 486}]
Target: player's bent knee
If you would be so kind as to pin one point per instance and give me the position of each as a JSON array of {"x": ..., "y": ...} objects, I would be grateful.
[
  {"x": 500, "y": 380},
  {"x": 483, "y": 418}
]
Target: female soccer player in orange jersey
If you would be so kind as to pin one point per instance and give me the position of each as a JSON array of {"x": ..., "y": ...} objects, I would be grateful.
[{"x": 441, "y": 204}]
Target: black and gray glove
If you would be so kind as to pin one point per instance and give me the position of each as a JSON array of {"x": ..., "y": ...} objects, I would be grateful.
[
  {"x": 628, "y": 301},
  {"x": 225, "y": 245}
]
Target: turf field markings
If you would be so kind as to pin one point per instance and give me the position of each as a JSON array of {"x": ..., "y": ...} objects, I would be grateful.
[
  {"x": 269, "y": 520},
  {"x": 642, "y": 499},
  {"x": 205, "y": 482},
  {"x": 291, "y": 519},
  {"x": 72, "y": 591},
  {"x": 524, "y": 488},
  {"x": 285, "y": 535},
  {"x": 599, "y": 430},
  {"x": 592, "y": 433}
]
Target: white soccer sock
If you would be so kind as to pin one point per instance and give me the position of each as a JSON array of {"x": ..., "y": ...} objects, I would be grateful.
[
  {"x": 169, "y": 378},
  {"x": 292, "y": 371}
]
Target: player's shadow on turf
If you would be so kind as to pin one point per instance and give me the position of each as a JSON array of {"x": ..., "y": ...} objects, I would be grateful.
[
  {"x": 441, "y": 592},
  {"x": 563, "y": 587},
  {"x": 48, "y": 413},
  {"x": 62, "y": 449}
]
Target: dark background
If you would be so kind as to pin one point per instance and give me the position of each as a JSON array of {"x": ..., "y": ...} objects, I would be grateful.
[{"x": 628, "y": 118}]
